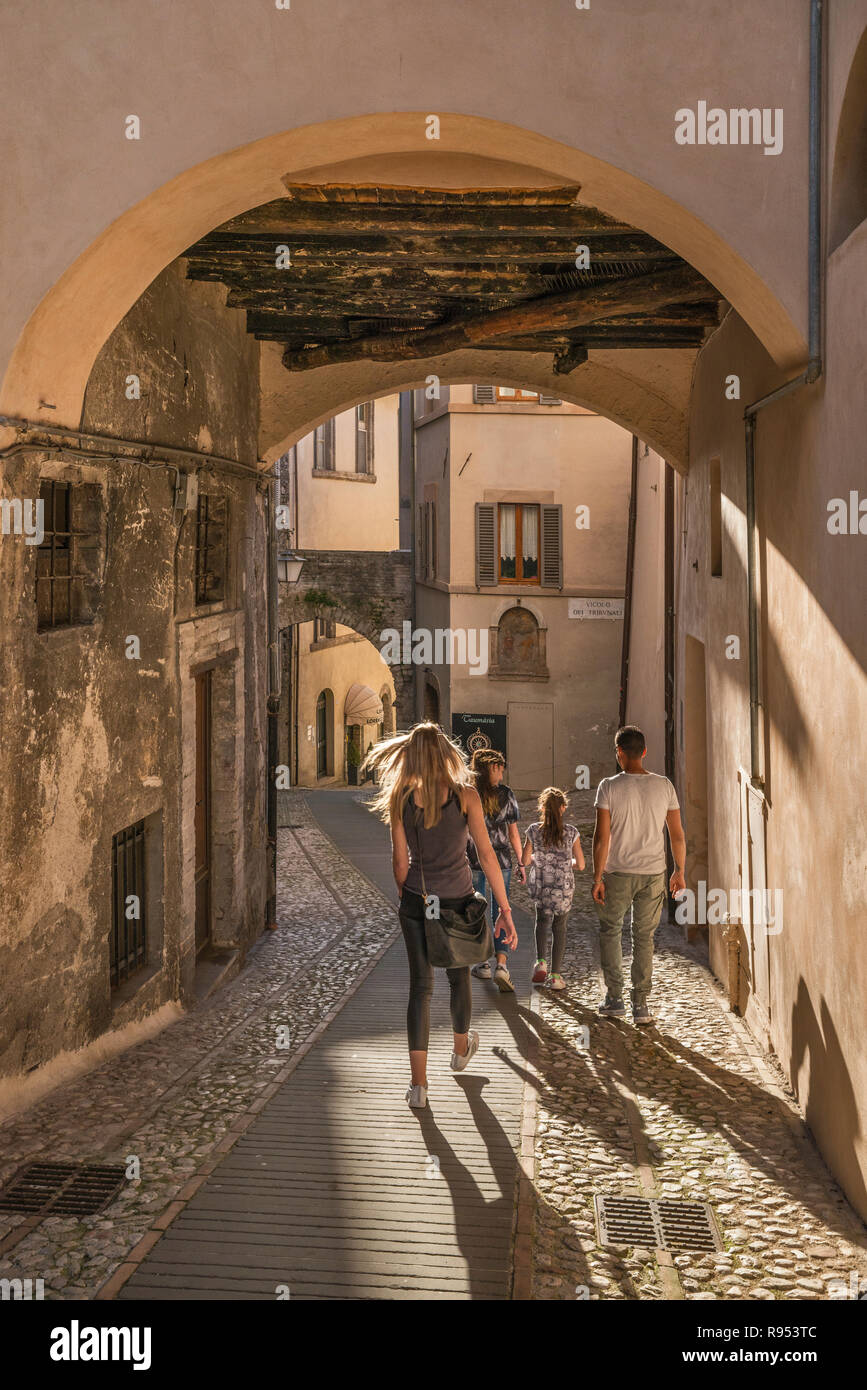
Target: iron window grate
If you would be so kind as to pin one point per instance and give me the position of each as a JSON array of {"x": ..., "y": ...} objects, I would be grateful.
[
  {"x": 211, "y": 548},
  {"x": 62, "y": 1189},
  {"x": 128, "y": 944},
  {"x": 659, "y": 1222},
  {"x": 67, "y": 556}
]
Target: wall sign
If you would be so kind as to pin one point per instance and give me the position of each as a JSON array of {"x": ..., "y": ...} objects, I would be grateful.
[
  {"x": 474, "y": 731},
  {"x": 612, "y": 608}
]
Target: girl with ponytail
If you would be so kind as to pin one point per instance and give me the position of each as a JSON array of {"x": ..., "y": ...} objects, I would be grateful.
[{"x": 552, "y": 850}]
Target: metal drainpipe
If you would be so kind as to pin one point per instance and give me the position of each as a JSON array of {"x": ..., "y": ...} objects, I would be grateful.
[
  {"x": 806, "y": 378},
  {"x": 273, "y": 701},
  {"x": 630, "y": 571}
]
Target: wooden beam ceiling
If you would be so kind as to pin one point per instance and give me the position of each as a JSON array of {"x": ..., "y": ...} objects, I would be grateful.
[{"x": 392, "y": 273}]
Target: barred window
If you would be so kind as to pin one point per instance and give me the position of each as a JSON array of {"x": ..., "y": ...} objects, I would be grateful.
[
  {"x": 211, "y": 548},
  {"x": 68, "y": 559},
  {"x": 128, "y": 947}
]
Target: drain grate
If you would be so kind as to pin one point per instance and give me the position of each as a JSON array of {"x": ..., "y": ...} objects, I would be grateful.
[
  {"x": 660, "y": 1222},
  {"x": 62, "y": 1189}
]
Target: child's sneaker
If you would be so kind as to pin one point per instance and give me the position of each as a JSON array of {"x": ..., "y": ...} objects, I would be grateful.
[
  {"x": 557, "y": 982},
  {"x": 540, "y": 972},
  {"x": 482, "y": 971}
]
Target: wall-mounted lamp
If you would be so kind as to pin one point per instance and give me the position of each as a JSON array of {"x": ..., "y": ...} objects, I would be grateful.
[{"x": 289, "y": 568}]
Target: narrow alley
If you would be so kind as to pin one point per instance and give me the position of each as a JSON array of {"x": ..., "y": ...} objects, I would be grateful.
[{"x": 299, "y": 1168}]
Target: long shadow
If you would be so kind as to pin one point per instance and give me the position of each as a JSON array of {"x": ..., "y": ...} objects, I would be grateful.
[
  {"x": 721, "y": 1092},
  {"x": 818, "y": 1041},
  {"x": 482, "y": 1225}
]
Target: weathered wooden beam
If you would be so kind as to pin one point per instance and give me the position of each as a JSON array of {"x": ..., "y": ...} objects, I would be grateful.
[
  {"x": 419, "y": 248},
  {"x": 385, "y": 194},
  {"x": 571, "y": 310},
  {"x": 350, "y": 294}
]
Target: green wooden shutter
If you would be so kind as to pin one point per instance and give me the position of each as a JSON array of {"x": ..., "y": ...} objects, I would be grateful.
[
  {"x": 486, "y": 544},
  {"x": 552, "y": 547}
]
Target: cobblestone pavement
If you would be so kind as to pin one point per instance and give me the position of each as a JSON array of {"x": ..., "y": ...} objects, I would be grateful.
[
  {"x": 170, "y": 1100},
  {"x": 688, "y": 1109}
]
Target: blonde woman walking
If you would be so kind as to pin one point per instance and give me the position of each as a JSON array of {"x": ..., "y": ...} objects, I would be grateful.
[{"x": 427, "y": 798}]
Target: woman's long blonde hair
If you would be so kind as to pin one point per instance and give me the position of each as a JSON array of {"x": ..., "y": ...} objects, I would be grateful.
[{"x": 424, "y": 758}]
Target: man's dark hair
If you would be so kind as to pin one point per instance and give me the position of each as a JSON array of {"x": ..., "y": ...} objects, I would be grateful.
[{"x": 631, "y": 740}]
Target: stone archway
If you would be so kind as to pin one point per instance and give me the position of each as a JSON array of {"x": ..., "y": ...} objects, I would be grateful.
[
  {"x": 367, "y": 590},
  {"x": 50, "y": 364}
]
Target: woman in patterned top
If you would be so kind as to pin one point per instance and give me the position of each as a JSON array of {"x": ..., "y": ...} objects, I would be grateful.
[
  {"x": 501, "y": 820},
  {"x": 552, "y": 851}
]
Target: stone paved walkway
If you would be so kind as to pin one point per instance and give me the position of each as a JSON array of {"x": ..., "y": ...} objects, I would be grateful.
[
  {"x": 689, "y": 1108},
  {"x": 172, "y": 1100}
]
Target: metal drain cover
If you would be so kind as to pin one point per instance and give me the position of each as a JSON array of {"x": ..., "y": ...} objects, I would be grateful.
[
  {"x": 62, "y": 1189},
  {"x": 660, "y": 1222}
]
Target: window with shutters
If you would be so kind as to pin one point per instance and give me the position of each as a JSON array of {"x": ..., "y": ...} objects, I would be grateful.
[
  {"x": 211, "y": 548},
  {"x": 431, "y": 518},
  {"x": 432, "y": 547},
  {"x": 68, "y": 560},
  {"x": 323, "y": 447},
  {"x": 511, "y": 393},
  {"x": 518, "y": 541},
  {"x": 421, "y": 543},
  {"x": 364, "y": 437},
  {"x": 324, "y": 629}
]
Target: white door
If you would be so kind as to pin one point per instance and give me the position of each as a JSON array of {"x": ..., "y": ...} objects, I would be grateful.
[{"x": 531, "y": 746}]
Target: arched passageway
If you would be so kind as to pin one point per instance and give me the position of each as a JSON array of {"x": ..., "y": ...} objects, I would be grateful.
[{"x": 228, "y": 406}]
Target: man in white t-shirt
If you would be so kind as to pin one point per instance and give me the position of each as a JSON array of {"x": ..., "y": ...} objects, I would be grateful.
[{"x": 632, "y": 811}]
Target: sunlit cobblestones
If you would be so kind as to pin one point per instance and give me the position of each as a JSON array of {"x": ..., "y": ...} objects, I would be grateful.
[
  {"x": 682, "y": 1110},
  {"x": 171, "y": 1099},
  {"x": 713, "y": 1131}
]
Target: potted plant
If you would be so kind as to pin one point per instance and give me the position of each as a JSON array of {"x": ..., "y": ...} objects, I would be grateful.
[{"x": 353, "y": 762}]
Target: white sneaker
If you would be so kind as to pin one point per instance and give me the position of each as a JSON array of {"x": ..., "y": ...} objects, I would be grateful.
[
  {"x": 458, "y": 1063},
  {"x": 483, "y": 971},
  {"x": 503, "y": 980},
  {"x": 416, "y": 1097}
]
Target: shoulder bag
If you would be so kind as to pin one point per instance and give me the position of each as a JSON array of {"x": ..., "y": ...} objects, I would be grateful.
[{"x": 457, "y": 936}]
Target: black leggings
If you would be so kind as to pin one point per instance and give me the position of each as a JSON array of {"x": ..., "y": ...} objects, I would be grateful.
[{"x": 421, "y": 980}]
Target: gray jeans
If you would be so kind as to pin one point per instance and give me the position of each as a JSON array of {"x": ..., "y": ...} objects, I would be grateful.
[
  {"x": 547, "y": 921},
  {"x": 645, "y": 894}
]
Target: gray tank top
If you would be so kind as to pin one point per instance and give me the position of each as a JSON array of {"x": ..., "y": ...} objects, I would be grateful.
[{"x": 444, "y": 846}]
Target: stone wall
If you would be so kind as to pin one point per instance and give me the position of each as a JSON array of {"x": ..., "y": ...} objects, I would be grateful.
[
  {"x": 368, "y": 590},
  {"x": 95, "y": 740}
]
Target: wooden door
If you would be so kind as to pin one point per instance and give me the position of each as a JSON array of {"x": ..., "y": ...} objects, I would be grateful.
[
  {"x": 203, "y": 811},
  {"x": 531, "y": 745}
]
